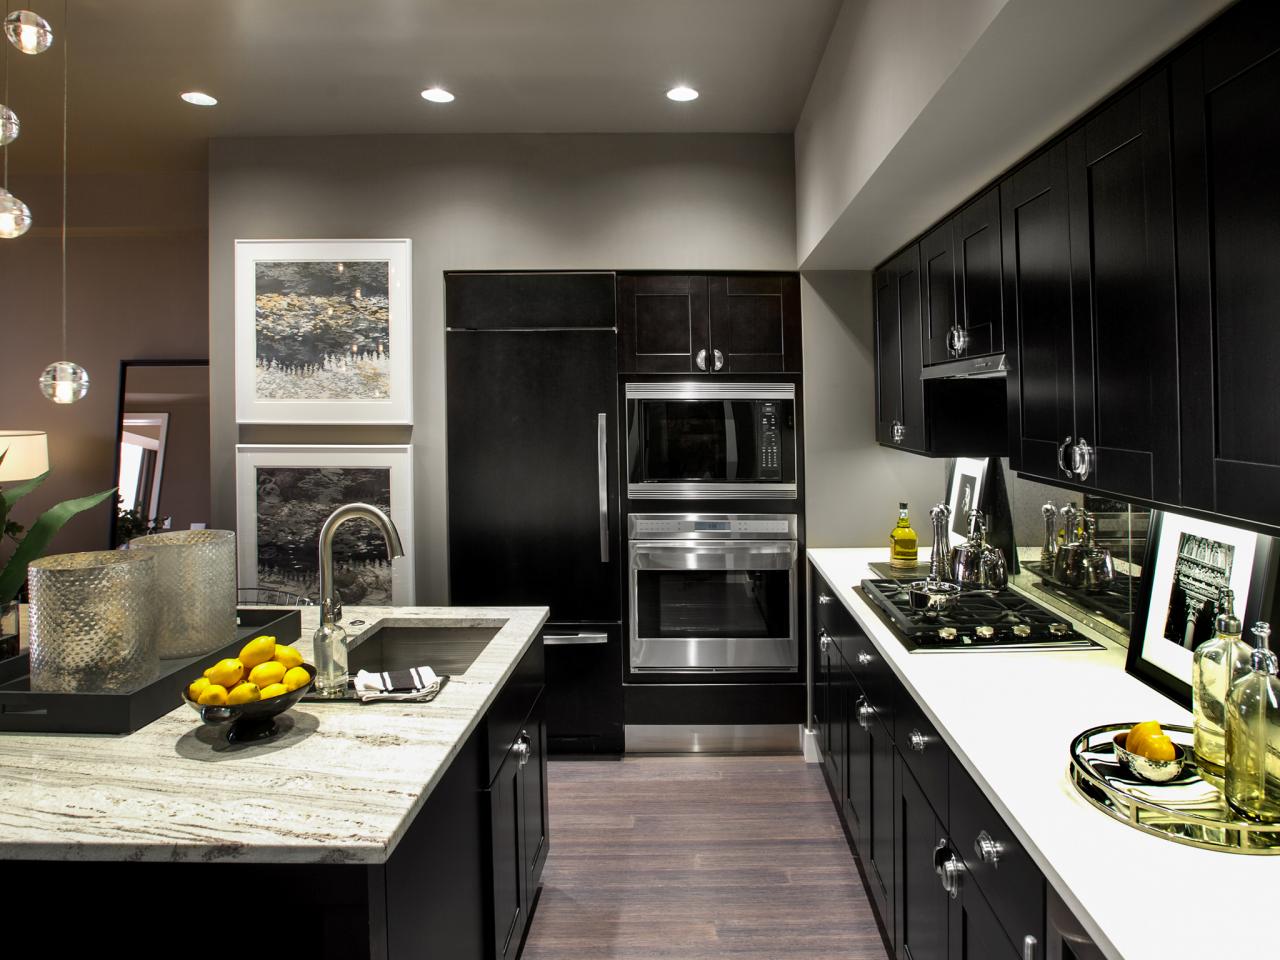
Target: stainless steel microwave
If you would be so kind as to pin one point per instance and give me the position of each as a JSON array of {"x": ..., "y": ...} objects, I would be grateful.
[{"x": 697, "y": 440}]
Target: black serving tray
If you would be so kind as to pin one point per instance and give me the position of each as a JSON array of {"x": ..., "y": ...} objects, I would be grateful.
[{"x": 21, "y": 709}]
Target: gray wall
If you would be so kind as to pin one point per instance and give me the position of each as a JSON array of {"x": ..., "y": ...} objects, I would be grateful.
[
  {"x": 853, "y": 485},
  {"x": 682, "y": 202}
]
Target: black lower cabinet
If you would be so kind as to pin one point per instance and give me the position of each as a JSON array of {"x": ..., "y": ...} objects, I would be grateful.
[
  {"x": 921, "y": 929},
  {"x": 883, "y": 788},
  {"x": 584, "y": 692},
  {"x": 974, "y": 933}
]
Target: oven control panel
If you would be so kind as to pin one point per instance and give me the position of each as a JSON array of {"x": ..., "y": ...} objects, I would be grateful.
[
  {"x": 770, "y": 442},
  {"x": 703, "y": 526}
]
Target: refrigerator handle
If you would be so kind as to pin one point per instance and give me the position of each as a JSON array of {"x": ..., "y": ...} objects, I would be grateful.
[{"x": 602, "y": 474}]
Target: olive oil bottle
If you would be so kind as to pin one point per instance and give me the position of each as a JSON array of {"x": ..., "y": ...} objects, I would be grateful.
[{"x": 904, "y": 545}]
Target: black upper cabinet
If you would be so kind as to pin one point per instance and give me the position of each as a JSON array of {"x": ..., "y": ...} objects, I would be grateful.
[
  {"x": 755, "y": 323},
  {"x": 730, "y": 323},
  {"x": 899, "y": 393},
  {"x": 1225, "y": 88},
  {"x": 1123, "y": 298},
  {"x": 529, "y": 301},
  {"x": 961, "y": 264},
  {"x": 1037, "y": 293}
]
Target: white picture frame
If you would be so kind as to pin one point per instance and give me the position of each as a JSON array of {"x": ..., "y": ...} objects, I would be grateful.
[
  {"x": 967, "y": 482},
  {"x": 258, "y": 465},
  {"x": 311, "y": 372}
]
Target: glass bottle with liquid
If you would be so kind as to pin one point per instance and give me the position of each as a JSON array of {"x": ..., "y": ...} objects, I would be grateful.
[
  {"x": 904, "y": 545},
  {"x": 1253, "y": 736},
  {"x": 1218, "y": 663}
]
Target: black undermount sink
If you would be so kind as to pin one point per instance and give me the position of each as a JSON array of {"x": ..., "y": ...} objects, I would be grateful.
[{"x": 449, "y": 651}]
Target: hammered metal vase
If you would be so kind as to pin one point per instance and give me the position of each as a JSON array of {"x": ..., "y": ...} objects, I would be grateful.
[
  {"x": 92, "y": 627},
  {"x": 195, "y": 590}
]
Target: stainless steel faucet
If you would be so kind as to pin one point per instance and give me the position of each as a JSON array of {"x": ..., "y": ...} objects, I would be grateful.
[{"x": 329, "y": 643}]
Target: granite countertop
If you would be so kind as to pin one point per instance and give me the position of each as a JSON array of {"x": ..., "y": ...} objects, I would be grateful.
[
  {"x": 340, "y": 785},
  {"x": 1010, "y": 718}
]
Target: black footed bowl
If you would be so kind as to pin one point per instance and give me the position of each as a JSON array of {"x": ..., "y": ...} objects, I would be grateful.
[{"x": 252, "y": 721}]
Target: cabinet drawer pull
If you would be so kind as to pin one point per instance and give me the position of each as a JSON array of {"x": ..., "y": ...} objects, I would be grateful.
[
  {"x": 987, "y": 849},
  {"x": 521, "y": 747},
  {"x": 948, "y": 868},
  {"x": 898, "y": 432},
  {"x": 864, "y": 658},
  {"x": 573, "y": 639},
  {"x": 824, "y": 599},
  {"x": 865, "y": 713},
  {"x": 1062, "y": 449},
  {"x": 1029, "y": 944},
  {"x": 918, "y": 741},
  {"x": 701, "y": 359},
  {"x": 718, "y": 360},
  {"x": 1082, "y": 459},
  {"x": 824, "y": 639}
]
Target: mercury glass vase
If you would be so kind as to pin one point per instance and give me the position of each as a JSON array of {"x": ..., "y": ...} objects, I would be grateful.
[
  {"x": 92, "y": 624},
  {"x": 195, "y": 590}
]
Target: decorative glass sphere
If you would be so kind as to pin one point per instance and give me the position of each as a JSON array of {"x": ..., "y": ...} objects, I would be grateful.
[
  {"x": 15, "y": 218},
  {"x": 64, "y": 382},
  {"x": 28, "y": 31},
  {"x": 9, "y": 126}
]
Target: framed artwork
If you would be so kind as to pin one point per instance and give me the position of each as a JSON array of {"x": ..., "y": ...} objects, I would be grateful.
[
  {"x": 323, "y": 331},
  {"x": 284, "y": 493},
  {"x": 967, "y": 482},
  {"x": 1188, "y": 561}
]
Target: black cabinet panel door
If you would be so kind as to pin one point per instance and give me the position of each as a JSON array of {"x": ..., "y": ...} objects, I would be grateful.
[
  {"x": 884, "y": 801},
  {"x": 664, "y": 323},
  {"x": 1226, "y": 139},
  {"x": 921, "y": 913},
  {"x": 534, "y": 836},
  {"x": 755, "y": 323},
  {"x": 524, "y": 487},
  {"x": 938, "y": 292},
  {"x": 1037, "y": 294},
  {"x": 526, "y": 301},
  {"x": 583, "y": 700},
  {"x": 509, "y": 897},
  {"x": 900, "y": 418},
  {"x": 888, "y": 357},
  {"x": 975, "y": 934},
  {"x": 979, "y": 275},
  {"x": 1123, "y": 270}
]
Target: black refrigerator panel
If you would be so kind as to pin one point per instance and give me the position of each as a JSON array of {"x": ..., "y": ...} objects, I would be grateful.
[
  {"x": 584, "y": 687},
  {"x": 533, "y": 484}
]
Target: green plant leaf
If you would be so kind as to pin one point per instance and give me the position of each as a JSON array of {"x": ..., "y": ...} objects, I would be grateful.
[
  {"x": 13, "y": 494},
  {"x": 38, "y": 537}
]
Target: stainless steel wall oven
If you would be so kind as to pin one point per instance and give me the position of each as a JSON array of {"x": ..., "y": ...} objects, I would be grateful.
[
  {"x": 695, "y": 440},
  {"x": 713, "y": 593}
]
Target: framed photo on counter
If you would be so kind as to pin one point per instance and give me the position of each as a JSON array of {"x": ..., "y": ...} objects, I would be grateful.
[
  {"x": 323, "y": 332},
  {"x": 968, "y": 480},
  {"x": 1188, "y": 561},
  {"x": 284, "y": 493}
]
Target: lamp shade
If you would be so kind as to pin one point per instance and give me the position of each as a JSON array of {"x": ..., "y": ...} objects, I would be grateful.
[{"x": 27, "y": 456}]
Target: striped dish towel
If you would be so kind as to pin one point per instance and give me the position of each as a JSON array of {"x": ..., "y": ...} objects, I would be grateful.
[{"x": 416, "y": 683}]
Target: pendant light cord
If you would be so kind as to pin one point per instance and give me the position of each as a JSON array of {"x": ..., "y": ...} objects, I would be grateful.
[
  {"x": 66, "y": 59},
  {"x": 6, "y": 97}
]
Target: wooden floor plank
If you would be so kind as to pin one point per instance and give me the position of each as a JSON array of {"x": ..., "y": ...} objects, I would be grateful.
[{"x": 697, "y": 858}]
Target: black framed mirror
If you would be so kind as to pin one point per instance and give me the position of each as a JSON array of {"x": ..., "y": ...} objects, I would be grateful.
[{"x": 162, "y": 447}]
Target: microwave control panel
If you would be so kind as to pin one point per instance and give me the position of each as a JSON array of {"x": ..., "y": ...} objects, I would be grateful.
[{"x": 770, "y": 442}]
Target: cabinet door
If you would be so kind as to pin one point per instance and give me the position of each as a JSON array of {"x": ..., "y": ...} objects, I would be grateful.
[
  {"x": 899, "y": 353},
  {"x": 529, "y": 301},
  {"x": 755, "y": 323},
  {"x": 884, "y": 800},
  {"x": 833, "y": 756},
  {"x": 938, "y": 292},
  {"x": 1037, "y": 294},
  {"x": 1123, "y": 286},
  {"x": 859, "y": 771},
  {"x": 921, "y": 902},
  {"x": 534, "y": 842},
  {"x": 509, "y": 896},
  {"x": 979, "y": 276},
  {"x": 663, "y": 323},
  {"x": 1226, "y": 139},
  {"x": 888, "y": 332},
  {"x": 975, "y": 934}
]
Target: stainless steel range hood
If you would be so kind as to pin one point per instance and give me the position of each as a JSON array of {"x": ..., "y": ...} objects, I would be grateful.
[{"x": 970, "y": 368}]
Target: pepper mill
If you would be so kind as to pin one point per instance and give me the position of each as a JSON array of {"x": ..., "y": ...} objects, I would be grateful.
[
  {"x": 1050, "y": 548},
  {"x": 940, "y": 562}
]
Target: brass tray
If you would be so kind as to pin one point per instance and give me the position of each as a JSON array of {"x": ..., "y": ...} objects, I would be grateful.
[{"x": 1187, "y": 809}]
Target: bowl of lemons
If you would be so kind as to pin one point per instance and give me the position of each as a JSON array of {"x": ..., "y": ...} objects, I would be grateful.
[
  {"x": 1150, "y": 753},
  {"x": 251, "y": 690}
]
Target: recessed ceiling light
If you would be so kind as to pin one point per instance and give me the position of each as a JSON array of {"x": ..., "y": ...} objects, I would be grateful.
[
  {"x": 682, "y": 94},
  {"x": 200, "y": 99},
  {"x": 437, "y": 95}
]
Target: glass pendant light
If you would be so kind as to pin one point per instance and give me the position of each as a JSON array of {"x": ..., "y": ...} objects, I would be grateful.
[
  {"x": 9, "y": 126},
  {"x": 15, "y": 218},
  {"x": 28, "y": 31},
  {"x": 64, "y": 381}
]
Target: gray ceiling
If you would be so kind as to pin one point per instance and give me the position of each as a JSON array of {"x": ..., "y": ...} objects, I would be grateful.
[{"x": 308, "y": 67}]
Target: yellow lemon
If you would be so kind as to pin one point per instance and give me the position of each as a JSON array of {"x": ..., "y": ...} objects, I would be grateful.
[
  {"x": 273, "y": 690},
  {"x": 197, "y": 688},
  {"x": 214, "y": 695},
  {"x": 1159, "y": 748},
  {"x": 258, "y": 650},
  {"x": 208, "y": 671},
  {"x": 244, "y": 693},
  {"x": 1139, "y": 734},
  {"x": 288, "y": 656},
  {"x": 226, "y": 673},
  {"x": 265, "y": 674},
  {"x": 296, "y": 677}
]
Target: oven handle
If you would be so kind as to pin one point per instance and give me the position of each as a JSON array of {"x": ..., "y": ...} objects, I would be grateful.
[
  {"x": 746, "y": 554},
  {"x": 602, "y": 478},
  {"x": 573, "y": 639}
]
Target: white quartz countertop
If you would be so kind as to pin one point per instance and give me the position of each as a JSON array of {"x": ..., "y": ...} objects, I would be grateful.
[
  {"x": 1010, "y": 718},
  {"x": 340, "y": 785}
]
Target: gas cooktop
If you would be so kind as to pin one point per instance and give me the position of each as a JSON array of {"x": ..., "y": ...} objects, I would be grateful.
[{"x": 979, "y": 620}]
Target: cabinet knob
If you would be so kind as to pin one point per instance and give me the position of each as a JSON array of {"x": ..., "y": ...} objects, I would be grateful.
[
  {"x": 948, "y": 868},
  {"x": 701, "y": 359},
  {"x": 865, "y": 713},
  {"x": 824, "y": 640},
  {"x": 521, "y": 747},
  {"x": 918, "y": 741},
  {"x": 957, "y": 340},
  {"x": 987, "y": 849},
  {"x": 1082, "y": 459},
  {"x": 824, "y": 599},
  {"x": 1062, "y": 449},
  {"x": 718, "y": 360},
  {"x": 899, "y": 432},
  {"x": 864, "y": 658}
]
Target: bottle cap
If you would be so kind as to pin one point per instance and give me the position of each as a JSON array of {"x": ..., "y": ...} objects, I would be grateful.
[
  {"x": 1227, "y": 622},
  {"x": 902, "y": 505}
]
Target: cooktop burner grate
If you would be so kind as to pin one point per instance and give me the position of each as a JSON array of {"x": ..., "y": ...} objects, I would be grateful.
[{"x": 979, "y": 620}]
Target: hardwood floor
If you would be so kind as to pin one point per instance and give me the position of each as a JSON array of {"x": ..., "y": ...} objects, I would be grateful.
[{"x": 698, "y": 857}]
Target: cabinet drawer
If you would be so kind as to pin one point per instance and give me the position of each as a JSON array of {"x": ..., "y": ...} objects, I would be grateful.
[
  {"x": 511, "y": 709},
  {"x": 874, "y": 676},
  {"x": 995, "y": 860},
  {"x": 925, "y": 752}
]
